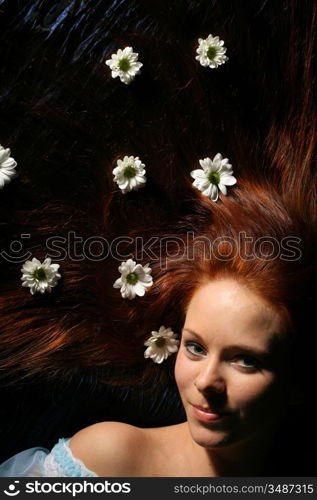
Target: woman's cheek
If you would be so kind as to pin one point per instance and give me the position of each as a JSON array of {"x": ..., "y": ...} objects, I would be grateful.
[
  {"x": 184, "y": 371},
  {"x": 258, "y": 389},
  {"x": 178, "y": 371},
  {"x": 259, "y": 397}
]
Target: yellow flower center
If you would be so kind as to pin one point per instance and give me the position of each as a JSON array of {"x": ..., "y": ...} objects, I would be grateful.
[
  {"x": 160, "y": 341},
  {"x": 129, "y": 172},
  {"x": 132, "y": 278},
  {"x": 124, "y": 64},
  {"x": 214, "y": 178},
  {"x": 211, "y": 53},
  {"x": 39, "y": 274}
]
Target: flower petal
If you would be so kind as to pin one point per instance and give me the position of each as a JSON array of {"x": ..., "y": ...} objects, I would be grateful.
[
  {"x": 228, "y": 180},
  {"x": 222, "y": 188}
]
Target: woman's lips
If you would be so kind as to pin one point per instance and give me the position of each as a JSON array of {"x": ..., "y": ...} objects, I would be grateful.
[{"x": 207, "y": 415}]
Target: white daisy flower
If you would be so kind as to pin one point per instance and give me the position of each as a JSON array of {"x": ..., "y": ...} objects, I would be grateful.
[
  {"x": 211, "y": 51},
  {"x": 124, "y": 64},
  {"x": 134, "y": 280},
  {"x": 161, "y": 344},
  {"x": 7, "y": 166},
  {"x": 129, "y": 174},
  {"x": 40, "y": 276},
  {"x": 214, "y": 175}
]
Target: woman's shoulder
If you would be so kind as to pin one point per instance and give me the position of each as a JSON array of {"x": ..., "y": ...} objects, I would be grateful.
[{"x": 109, "y": 448}]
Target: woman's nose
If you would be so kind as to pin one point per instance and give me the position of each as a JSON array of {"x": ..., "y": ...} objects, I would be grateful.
[{"x": 210, "y": 378}]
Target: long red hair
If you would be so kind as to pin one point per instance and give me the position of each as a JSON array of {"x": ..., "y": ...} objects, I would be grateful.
[{"x": 67, "y": 122}]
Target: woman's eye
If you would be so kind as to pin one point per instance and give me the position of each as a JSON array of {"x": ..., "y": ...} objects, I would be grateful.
[
  {"x": 247, "y": 362},
  {"x": 194, "y": 348}
]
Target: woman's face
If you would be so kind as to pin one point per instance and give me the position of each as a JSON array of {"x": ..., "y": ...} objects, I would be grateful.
[{"x": 231, "y": 368}]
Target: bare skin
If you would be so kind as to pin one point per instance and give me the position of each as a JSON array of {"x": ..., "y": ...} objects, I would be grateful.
[
  {"x": 112, "y": 449},
  {"x": 232, "y": 378}
]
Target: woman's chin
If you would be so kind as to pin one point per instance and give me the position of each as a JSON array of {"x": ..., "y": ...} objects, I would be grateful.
[{"x": 211, "y": 439}]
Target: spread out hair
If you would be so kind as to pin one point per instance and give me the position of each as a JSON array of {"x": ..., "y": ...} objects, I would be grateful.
[{"x": 69, "y": 123}]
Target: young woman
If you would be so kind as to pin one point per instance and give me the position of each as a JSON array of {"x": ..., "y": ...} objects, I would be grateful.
[
  {"x": 244, "y": 363},
  {"x": 232, "y": 371},
  {"x": 233, "y": 263}
]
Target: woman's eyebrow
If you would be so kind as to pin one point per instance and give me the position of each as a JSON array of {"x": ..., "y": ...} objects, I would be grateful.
[
  {"x": 237, "y": 347},
  {"x": 195, "y": 334},
  {"x": 250, "y": 350}
]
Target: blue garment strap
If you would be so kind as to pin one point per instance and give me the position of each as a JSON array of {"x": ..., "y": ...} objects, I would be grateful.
[
  {"x": 39, "y": 462},
  {"x": 69, "y": 465}
]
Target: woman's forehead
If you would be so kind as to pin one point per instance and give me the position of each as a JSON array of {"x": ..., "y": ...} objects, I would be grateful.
[{"x": 233, "y": 311}]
